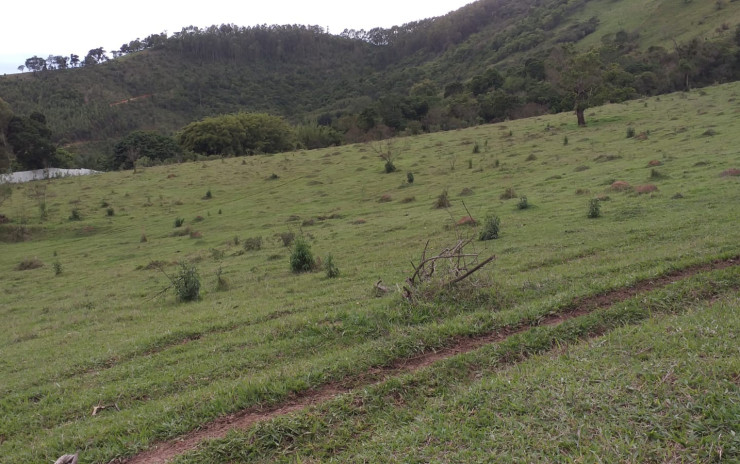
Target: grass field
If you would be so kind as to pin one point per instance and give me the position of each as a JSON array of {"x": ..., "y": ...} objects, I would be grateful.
[{"x": 95, "y": 324}]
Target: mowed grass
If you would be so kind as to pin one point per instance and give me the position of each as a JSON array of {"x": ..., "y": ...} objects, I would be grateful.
[
  {"x": 662, "y": 391},
  {"x": 104, "y": 333}
]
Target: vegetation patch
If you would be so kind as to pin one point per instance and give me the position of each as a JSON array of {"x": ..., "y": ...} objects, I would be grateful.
[{"x": 28, "y": 264}]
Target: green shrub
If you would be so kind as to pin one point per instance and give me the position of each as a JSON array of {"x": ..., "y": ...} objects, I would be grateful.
[
  {"x": 565, "y": 140},
  {"x": 179, "y": 222},
  {"x": 57, "y": 266},
  {"x": 75, "y": 215},
  {"x": 187, "y": 283},
  {"x": 630, "y": 132},
  {"x": 253, "y": 244},
  {"x": 476, "y": 148},
  {"x": 390, "y": 167},
  {"x": 523, "y": 203},
  {"x": 594, "y": 208},
  {"x": 491, "y": 227},
  {"x": 110, "y": 211},
  {"x": 410, "y": 177},
  {"x": 208, "y": 195},
  {"x": 332, "y": 270},
  {"x": 301, "y": 258}
]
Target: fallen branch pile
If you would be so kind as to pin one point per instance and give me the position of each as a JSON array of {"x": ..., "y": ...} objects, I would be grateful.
[{"x": 450, "y": 266}]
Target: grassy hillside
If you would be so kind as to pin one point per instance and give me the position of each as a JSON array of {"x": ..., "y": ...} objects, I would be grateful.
[
  {"x": 659, "y": 23},
  {"x": 95, "y": 324}
]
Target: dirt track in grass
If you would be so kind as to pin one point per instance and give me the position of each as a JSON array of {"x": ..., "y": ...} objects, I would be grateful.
[{"x": 166, "y": 451}]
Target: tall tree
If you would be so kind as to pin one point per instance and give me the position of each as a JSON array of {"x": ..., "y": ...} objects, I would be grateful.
[
  {"x": 580, "y": 77},
  {"x": 31, "y": 141}
]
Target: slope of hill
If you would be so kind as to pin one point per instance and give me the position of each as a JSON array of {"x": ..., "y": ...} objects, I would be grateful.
[{"x": 106, "y": 360}]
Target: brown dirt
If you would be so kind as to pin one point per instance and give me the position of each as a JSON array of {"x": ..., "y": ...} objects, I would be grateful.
[{"x": 166, "y": 451}]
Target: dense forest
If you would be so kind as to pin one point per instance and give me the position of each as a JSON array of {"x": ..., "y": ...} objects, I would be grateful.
[{"x": 488, "y": 61}]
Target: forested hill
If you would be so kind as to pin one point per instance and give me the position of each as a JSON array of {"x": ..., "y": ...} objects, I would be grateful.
[{"x": 487, "y": 61}]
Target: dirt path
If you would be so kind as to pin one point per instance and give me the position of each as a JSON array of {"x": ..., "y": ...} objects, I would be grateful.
[{"x": 166, "y": 451}]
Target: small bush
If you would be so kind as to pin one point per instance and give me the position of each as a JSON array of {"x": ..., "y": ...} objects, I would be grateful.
[
  {"x": 253, "y": 244},
  {"x": 110, "y": 212},
  {"x": 75, "y": 215},
  {"x": 208, "y": 195},
  {"x": 143, "y": 238},
  {"x": 410, "y": 177},
  {"x": 390, "y": 167},
  {"x": 57, "y": 266},
  {"x": 508, "y": 194},
  {"x": 476, "y": 148},
  {"x": 273, "y": 176},
  {"x": 565, "y": 140},
  {"x": 28, "y": 264},
  {"x": 179, "y": 222},
  {"x": 466, "y": 192},
  {"x": 217, "y": 254},
  {"x": 531, "y": 157},
  {"x": 523, "y": 203},
  {"x": 332, "y": 270},
  {"x": 301, "y": 258},
  {"x": 443, "y": 200},
  {"x": 630, "y": 132},
  {"x": 594, "y": 208},
  {"x": 491, "y": 228},
  {"x": 187, "y": 283},
  {"x": 655, "y": 174}
]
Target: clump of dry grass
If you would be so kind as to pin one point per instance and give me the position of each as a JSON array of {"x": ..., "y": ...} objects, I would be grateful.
[
  {"x": 508, "y": 194},
  {"x": 29, "y": 263}
]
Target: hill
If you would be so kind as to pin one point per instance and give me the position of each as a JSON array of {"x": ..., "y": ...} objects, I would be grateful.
[
  {"x": 428, "y": 75},
  {"x": 98, "y": 354}
]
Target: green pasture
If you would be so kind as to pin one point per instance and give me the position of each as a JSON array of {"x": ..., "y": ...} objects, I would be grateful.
[{"x": 96, "y": 325}]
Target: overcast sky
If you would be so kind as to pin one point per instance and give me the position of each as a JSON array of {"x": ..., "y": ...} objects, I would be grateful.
[{"x": 63, "y": 27}]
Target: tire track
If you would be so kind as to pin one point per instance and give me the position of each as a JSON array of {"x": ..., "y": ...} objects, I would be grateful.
[{"x": 166, "y": 451}]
